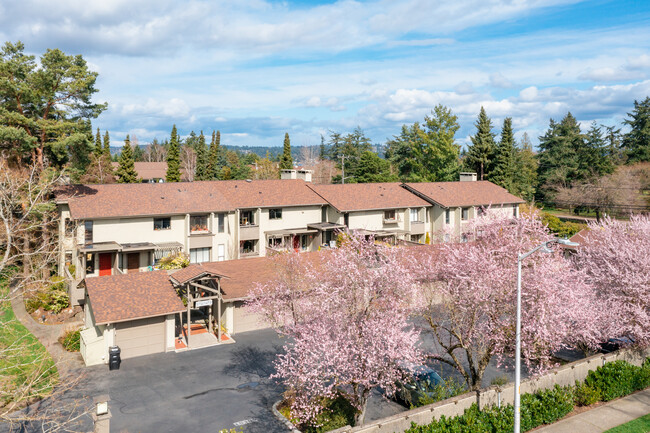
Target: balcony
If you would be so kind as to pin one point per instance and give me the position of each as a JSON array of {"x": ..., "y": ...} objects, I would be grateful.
[
  {"x": 417, "y": 227},
  {"x": 249, "y": 232}
]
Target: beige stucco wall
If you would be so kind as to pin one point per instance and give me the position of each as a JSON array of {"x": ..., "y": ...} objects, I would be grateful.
[
  {"x": 129, "y": 230},
  {"x": 170, "y": 332},
  {"x": 374, "y": 220}
]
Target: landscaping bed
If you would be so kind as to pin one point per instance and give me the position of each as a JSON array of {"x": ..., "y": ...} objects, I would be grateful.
[
  {"x": 27, "y": 371},
  {"x": 613, "y": 380}
]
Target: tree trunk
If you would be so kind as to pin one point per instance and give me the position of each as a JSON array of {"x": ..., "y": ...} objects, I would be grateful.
[
  {"x": 360, "y": 416},
  {"x": 46, "y": 242},
  {"x": 26, "y": 249}
]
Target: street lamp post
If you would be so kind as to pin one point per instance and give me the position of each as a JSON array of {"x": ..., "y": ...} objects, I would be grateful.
[{"x": 545, "y": 248}]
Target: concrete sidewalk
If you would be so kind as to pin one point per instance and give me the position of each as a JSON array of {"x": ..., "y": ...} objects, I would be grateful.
[{"x": 603, "y": 417}]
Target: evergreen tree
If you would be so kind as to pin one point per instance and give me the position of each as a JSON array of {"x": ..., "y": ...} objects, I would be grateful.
[
  {"x": 614, "y": 140},
  {"x": 480, "y": 154},
  {"x": 138, "y": 154},
  {"x": 372, "y": 168},
  {"x": 524, "y": 179},
  {"x": 214, "y": 168},
  {"x": 636, "y": 143},
  {"x": 322, "y": 149},
  {"x": 98, "y": 143},
  {"x": 202, "y": 159},
  {"x": 173, "y": 158},
  {"x": 335, "y": 145},
  {"x": 559, "y": 163},
  {"x": 594, "y": 157},
  {"x": 126, "y": 170},
  {"x": 107, "y": 144},
  {"x": 427, "y": 153},
  {"x": 502, "y": 172},
  {"x": 286, "y": 162}
]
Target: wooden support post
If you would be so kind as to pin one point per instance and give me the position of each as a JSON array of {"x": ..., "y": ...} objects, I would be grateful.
[
  {"x": 210, "y": 327},
  {"x": 189, "y": 306},
  {"x": 219, "y": 310}
]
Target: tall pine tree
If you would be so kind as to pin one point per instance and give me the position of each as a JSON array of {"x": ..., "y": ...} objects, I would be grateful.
[
  {"x": 427, "y": 153},
  {"x": 107, "y": 144},
  {"x": 559, "y": 163},
  {"x": 126, "y": 170},
  {"x": 636, "y": 143},
  {"x": 480, "y": 153},
  {"x": 174, "y": 158},
  {"x": 525, "y": 174},
  {"x": 214, "y": 167},
  {"x": 201, "y": 159},
  {"x": 502, "y": 172},
  {"x": 286, "y": 162},
  {"x": 98, "y": 144}
]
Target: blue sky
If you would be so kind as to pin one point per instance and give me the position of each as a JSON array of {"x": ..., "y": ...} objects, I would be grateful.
[{"x": 255, "y": 69}]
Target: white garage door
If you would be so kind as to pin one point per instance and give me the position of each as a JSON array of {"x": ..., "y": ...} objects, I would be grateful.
[
  {"x": 244, "y": 320},
  {"x": 140, "y": 337}
]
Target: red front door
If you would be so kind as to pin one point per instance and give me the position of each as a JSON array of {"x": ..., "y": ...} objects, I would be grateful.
[
  {"x": 296, "y": 243},
  {"x": 105, "y": 264}
]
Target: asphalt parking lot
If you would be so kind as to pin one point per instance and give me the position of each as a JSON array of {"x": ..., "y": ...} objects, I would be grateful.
[
  {"x": 209, "y": 389},
  {"x": 206, "y": 390}
]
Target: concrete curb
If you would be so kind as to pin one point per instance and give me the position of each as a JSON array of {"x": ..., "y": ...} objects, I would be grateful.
[{"x": 292, "y": 428}]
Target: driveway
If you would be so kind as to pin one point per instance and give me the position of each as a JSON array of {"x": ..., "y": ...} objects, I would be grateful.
[{"x": 209, "y": 389}]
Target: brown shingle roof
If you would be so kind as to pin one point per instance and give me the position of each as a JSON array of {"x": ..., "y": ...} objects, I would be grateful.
[
  {"x": 191, "y": 272},
  {"x": 456, "y": 194},
  {"x": 366, "y": 196},
  {"x": 268, "y": 193},
  {"x": 242, "y": 274},
  {"x": 118, "y": 298},
  {"x": 141, "y": 199}
]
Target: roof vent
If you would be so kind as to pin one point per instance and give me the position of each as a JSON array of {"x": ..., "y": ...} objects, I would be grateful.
[{"x": 248, "y": 180}]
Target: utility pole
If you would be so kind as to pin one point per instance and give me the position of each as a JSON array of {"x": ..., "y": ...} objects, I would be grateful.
[{"x": 343, "y": 168}]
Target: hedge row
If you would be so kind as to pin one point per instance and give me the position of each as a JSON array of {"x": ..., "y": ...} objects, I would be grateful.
[{"x": 614, "y": 379}]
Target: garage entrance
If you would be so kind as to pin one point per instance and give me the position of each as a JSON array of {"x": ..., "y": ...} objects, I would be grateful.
[
  {"x": 244, "y": 320},
  {"x": 140, "y": 337}
]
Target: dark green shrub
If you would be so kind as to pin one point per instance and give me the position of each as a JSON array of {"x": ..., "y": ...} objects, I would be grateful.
[
  {"x": 614, "y": 379},
  {"x": 585, "y": 395},
  {"x": 336, "y": 413},
  {"x": 57, "y": 296},
  {"x": 559, "y": 227},
  {"x": 545, "y": 407},
  {"x": 71, "y": 341}
]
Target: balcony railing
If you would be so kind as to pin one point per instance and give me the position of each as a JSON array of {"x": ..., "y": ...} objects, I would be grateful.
[
  {"x": 249, "y": 232},
  {"x": 417, "y": 227}
]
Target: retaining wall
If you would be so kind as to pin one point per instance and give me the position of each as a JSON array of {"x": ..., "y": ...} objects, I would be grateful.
[{"x": 564, "y": 375}]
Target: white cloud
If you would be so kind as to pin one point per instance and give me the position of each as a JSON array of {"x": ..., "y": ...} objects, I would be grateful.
[
  {"x": 498, "y": 80},
  {"x": 464, "y": 88},
  {"x": 639, "y": 62},
  {"x": 173, "y": 108}
]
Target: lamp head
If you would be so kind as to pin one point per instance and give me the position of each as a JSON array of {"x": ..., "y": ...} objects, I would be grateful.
[{"x": 566, "y": 242}]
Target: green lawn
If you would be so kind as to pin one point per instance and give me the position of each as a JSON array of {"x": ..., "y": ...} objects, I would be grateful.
[
  {"x": 27, "y": 371},
  {"x": 639, "y": 425}
]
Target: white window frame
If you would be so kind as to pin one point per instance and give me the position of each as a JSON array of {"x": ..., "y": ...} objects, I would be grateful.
[
  {"x": 200, "y": 255},
  {"x": 415, "y": 215}
]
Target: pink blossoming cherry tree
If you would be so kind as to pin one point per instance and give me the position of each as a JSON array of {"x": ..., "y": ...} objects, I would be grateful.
[
  {"x": 470, "y": 291},
  {"x": 345, "y": 315},
  {"x": 616, "y": 258}
]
